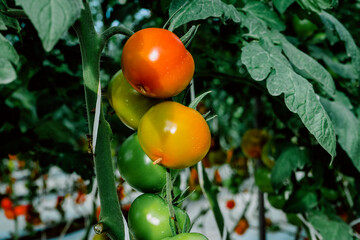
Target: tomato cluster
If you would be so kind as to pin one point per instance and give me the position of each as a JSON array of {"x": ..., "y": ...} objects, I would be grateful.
[{"x": 156, "y": 66}]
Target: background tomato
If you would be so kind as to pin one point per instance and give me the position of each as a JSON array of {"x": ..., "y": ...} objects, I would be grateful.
[
  {"x": 156, "y": 63},
  {"x": 137, "y": 168},
  {"x": 149, "y": 218},
  {"x": 187, "y": 236},
  {"x": 303, "y": 27},
  {"x": 253, "y": 141},
  {"x": 6, "y": 203},
  {"x": 177, "y": 134},
  {"x": 128, "y": 104}
]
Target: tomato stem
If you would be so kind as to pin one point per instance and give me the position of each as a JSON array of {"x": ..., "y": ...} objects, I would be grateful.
[
  {"x": 169, "y": 189},
  {"x": 91, "y": 46}
]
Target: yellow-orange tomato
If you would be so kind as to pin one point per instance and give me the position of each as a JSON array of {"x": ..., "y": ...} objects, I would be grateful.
[
  {"x": 253, "y": 141},
  {"x": 174, "y": 135},
  {"x": 156, "y": 63},
  {"x": 129, "y": 105}
]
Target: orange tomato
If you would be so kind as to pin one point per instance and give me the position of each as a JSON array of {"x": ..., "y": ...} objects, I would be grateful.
[
  {"x": 9, "y": 214},
  {"x": 241, "y": 226},
  {"x": 253, "y": 141},
  {"x": 98, "y": 210},
  {"x": 156, "y": 63},
  {"x": 174, "y": 135}
]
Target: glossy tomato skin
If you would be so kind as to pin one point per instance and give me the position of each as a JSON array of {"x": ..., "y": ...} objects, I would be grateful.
[
  {"x": 137, "y": 168},
  {"x": 129, "y": 105},
  {"x": 156, "y": 63},
  {"x": 187, "y": 236},
  {"x": 176, "y": 134},
  {"x": 148, "y": 218}
]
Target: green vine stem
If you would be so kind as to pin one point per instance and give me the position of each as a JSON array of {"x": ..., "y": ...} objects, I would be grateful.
[
  {"x": 169, "y": 189},
  {"x": 91, "y": 46}
]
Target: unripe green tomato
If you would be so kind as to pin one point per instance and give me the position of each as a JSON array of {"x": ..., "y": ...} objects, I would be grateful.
[
  {"x": 187, "y": 236},
  {"x": 303, "y": 27},
  {"x": 128, "y": 104},
  {"x": 100, "y": 237},
  {"x": 137, "y": 168},
  {"x": 149, "y": 216}
]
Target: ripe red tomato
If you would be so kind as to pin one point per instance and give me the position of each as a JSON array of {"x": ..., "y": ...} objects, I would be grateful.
[
  {"x": 174, "y": 135},
  {"x": 6, "y": 203},
  {"x": 21, "y": 210},
  {"x": 149, "y": 218},
  {"x": 156, "y": 63},
  {"x": 129, "y": 105}
]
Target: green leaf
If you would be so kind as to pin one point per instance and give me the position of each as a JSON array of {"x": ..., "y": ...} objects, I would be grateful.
[
  {"x": 8, "y": 52},
  {"x": 290, "y": 159},
  {"x": 6, "y": 21},
  {"x": 2, "y": 23},
  {"x": 317, "y": 5},
  {"x": 344, "y": 70},
  {"x": 264, "y": 60},
  {"x": 7, "y": 72},
  {"x": 262, "y": 180},
  {"x": 53, "y": 130},
  {"x": 282, "y": 5},
  {"x": 330, "y": 228},
  {"x": 347, "y": 127},
  {"x": 308, "y": 67},
  {"x": 51, "y": 18},
  {"x": 192, "y": 10},
  {"x": 198, "y": 99},
  {"x": 352, "y": 50},
  {"x": 301, "y": 200},
  {"x": 263, "y": 13}
]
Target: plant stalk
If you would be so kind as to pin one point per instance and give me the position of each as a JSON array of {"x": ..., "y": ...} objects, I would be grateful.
[
  {"x": 169, "y": 189},
  {"x": 91, "y": 46}
]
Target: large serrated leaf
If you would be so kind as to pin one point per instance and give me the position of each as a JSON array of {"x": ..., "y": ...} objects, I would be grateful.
[
  {"x": 352, "y": 50},
  {"x": 282, "y": 5},
  {"x": 317, "y": 5},
  {"x": 51, "y": 18},
  {"x": 344, "y": 70},
  {"x": 300, "y": 98},
  {"x": 192, "y": 10},
  {"x": 263, "y": 13},
  {"x": 347, "y": 127},
  {"x": 8, "y": 52},
  {"x": 330, "y": 229},
  {"x": 7, "y": 72},
  {"x": 289, "y": 160},
  {"x": 308, "y": 67}
]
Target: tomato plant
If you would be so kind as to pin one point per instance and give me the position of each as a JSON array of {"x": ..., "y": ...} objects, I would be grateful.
[
  {"x": 156, "y": 63},
  {"x": 149, "y": 218},
  {"x": 137, "y": 168},
  {"x": 174, "y": 135},
  {"x": 253, "y": 141},
  {"x": 129, "y": 105},
  {"x": 187, "y": 236}
]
